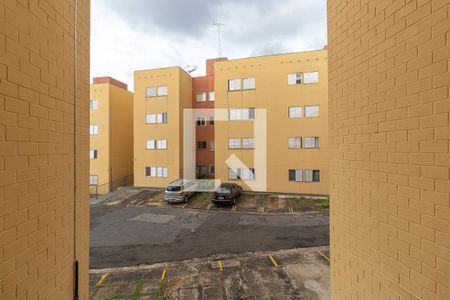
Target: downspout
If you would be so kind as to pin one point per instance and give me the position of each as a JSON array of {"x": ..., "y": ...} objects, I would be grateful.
[{"x": 75, "y": 86}]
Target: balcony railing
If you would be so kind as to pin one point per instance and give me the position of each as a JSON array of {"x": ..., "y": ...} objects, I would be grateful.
[{"x": 111, "y": 186}]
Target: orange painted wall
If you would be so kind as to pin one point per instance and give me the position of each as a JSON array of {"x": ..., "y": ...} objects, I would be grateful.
[{"x": 205, "y": 157}]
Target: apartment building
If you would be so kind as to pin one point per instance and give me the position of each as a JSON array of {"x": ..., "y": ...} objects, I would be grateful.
[
  {"x": 44, "y": 141},
  {"x": 111, "y": 135},
  {"x": 390, "y": 167},
  {"x": 160, "y": 96},
  {"x": 203, "y": 97},
  {"x": 291, "y": 90}
]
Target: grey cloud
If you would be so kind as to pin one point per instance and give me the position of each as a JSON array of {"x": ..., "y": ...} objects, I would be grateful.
[
  {"x": 269, "y": 48},
  {"x": 180, "y": 17}
]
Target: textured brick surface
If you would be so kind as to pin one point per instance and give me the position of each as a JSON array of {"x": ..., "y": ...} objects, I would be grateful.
[
  {"x": 37, "y": 166},
  {"x": 389, "y": 128}
]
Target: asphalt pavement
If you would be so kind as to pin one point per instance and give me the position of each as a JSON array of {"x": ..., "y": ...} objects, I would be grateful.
[{"x": 134, "y": 235}]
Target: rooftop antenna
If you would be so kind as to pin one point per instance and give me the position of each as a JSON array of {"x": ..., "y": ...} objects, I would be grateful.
[
  {"x": 191, "y": 69},
  {"x": 220, "y": 42}
]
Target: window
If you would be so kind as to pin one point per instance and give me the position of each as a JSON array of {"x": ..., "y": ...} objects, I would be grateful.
[
  {"x": 201, "y": 170},
  {"x": 212, "y": 145},
  {"x": 156, "y": 172},
  {"x": 248, "y": 174},
  {"x": 234, "y": 84},
  {"x": 248, "y": 83},
  {"x": 304, "y": 175},
  {"x": 295, "y": 175},
  {"x": 311, "y": 142},
  {"x": 294, "y": 78},
  {"x": 234, "y": 143},
  {"x": 211, "y": 169},
  {"x": 150, "y": 144},
  {"x": 201, "y": 97},
  {"x": 93, "y": 179},
  {"x": 201, "y": 144},
  {"x": 93, "y": 104},
  {"x": 162, "y": 90},
  {"x": 310, "y": 77},
  {"x": 201, "y": 121},
  {"x": 212, "y": 96},
  {"x": 93, "y": 129},
  {"x": 241, "y": 114},
  {"x": 294, "y": 143},
  {"x": 211, "y": 121},
  {"x": 161, "y": 144},
  {"x": 234, "y": 114},
  {"x": 93, "y": 154},
  {"x": 234, "y": 174},
  {"x": 245, "y": 174},
  {"x": 311, "y": 111},
  {"x": 156, "y": 118},
  {"x": 150, "y": 92},
  {"x": 295, "y": 112},
  {"x": 156, "y": 144},
  {"x": 248, "y": 143}
]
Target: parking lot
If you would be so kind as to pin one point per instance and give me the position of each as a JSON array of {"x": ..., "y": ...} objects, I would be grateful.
[
  {"x": 264, "y": 247},
  {"x": 247, "y": 202},
  {"x": 284, "y": 274}
]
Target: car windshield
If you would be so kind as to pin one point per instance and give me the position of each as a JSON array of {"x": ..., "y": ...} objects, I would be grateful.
[
  {"x": 224, "y": 189},
  {"x": 173, "y": 188}
]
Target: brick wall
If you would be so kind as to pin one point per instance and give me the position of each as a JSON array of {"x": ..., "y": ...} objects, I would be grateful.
[
  {"x": 37, "y": 148},
  {"x": 389, "y": 120}
]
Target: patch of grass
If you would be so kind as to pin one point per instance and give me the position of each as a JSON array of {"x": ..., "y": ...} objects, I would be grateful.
[
  {"x": 199, "y": 199},
  {"x": 159, "y": 292},
  {"x": 309, "y": 204},
  {"x": 137, "y": 290},
  {"x": 261, "y": 200}
]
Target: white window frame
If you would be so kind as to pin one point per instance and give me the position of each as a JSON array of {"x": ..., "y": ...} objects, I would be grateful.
[
  {"x": 234, "y": 143},
  {"x": 295, "y": 142},
  {"x": 162, "y": 90},
  {"x": 150, "y": 91},
  {"x": 235, "y": 84},
  {"x": 248, "y": 174},
  {"x": 311, "y": 77},
  {"x": 93, "y": 129},
  {"x": 161, "y": 144},
  {"x": 93, "y": 180},
  {"x": 201, "y": 121},
  {"x": 93, "y": 104},
  {"x": 93, "y": 154},
  {"x": 211, "y": 121},
  {"x": 295, "y": 78},
  {"x": 249, "y": 83},
  {"x": 212, "y": 96},
  {"x": 201, "y": 97},
  {"x": 156, "y": 172},
  {"x": 248, "y": 143},
  {"x": 234, "y": 174},
  {"x": 292, "y": 109},
  {"x": 212, "y": 145},
  {"x": 156, "y": 118},
  {"x": 311, "y": 142},
  {"x": 213, "y": 168},
  {"x": 312, "y": 111},
  {"x": 150, "y": 145}
]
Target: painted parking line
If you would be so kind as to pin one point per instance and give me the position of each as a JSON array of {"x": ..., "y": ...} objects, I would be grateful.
[
  {"x": 234, "y": 208},
  {"x": 323, "y": 255},
  {"x": 163, "y": 275},
  {"x": 102, "y": 279},
  {"x": 209, "y": 206},
  {"x": 140, "y": 202},
  {"x": 261, "y": 209},
  {"x": 220, "y": 266},
  {"x": 184, "y": 205},
  {"x": 291, "y": 210},
  {"x": 273, "y": 261}
]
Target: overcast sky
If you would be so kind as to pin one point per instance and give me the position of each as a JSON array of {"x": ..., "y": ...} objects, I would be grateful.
[{"x": 129, "y": 35}]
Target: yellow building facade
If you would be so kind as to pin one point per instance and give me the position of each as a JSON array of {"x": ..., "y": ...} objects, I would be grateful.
[
  {"x": 291, "y": 90},
  {"x": 44, "y": 144},
  {"x": 389, "y": 82},
  {"x": 111, "y": 135},
  {"x": 160, "y": 96}
]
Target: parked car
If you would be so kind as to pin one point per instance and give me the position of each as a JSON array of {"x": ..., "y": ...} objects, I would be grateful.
[
  {"x": 179, "y": 190},
  {"x": 226, "y": 193}
]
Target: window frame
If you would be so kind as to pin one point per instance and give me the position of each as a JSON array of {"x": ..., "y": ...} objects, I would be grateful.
[
  {"x": 300, "y": 112},
  {"x": 306, "y": 107},
  {"x": 311, "y": 82},
  {"x": 298, "y": 80},
  {"x": 203, "y": 99},
  {"x": 93, "y": 154},
  {"x": 164, "y": 88},
  {"x": 91, "y": 176},
  {"x": 298, "y": 141},
  {"x": 213, "y": 98},
  {"x": 93, "y": 104},
  {"x": 201, "y": 121},
  {"x": 249, "y": 83},
  {"x": 93, "y": 129}
]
